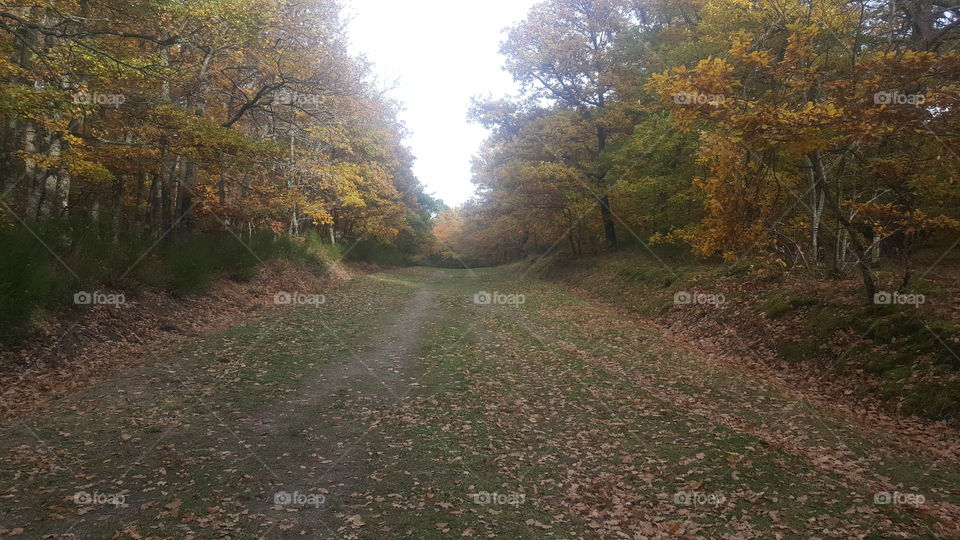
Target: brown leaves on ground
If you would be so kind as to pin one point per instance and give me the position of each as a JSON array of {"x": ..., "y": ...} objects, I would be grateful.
[{"x": 72, "y": 353}]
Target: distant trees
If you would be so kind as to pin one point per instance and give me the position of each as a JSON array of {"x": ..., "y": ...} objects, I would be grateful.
[{"x": 816, "y": 134}]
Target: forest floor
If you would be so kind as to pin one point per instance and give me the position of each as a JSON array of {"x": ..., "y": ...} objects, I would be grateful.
[{"x": 403, "y": 407}]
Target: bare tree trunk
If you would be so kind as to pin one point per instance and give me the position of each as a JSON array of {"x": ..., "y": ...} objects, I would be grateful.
[
  {"x": 862, "y": 263},
  {"x": 222, "y": 188},
  {"x": 22, "y": 132},
  {"x": 55, "y": 183},
  {"x": 29, "y": 171},
  {"x": 816, "y": 212},
  {"x": 167, "y": 168},
  {"x": 293, "y": 229},
  {"x": 9, "y": 140},
  {"x": 141, "y": 212},
  {"x": 190, "y": 166},
  {"x": 119, "y": 209}
]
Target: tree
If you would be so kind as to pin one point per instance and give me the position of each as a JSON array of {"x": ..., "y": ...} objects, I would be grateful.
[{"x": 566, "y": 52}]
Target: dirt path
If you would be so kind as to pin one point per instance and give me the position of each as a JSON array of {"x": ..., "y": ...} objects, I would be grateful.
[
  {"x": 403, "y": 408},
  {"x": 212, "y": 436},
  {"x": 372, "y": 380}
]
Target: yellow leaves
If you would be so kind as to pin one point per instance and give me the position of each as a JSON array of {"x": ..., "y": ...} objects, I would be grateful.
[
  {"x": 888, "y": 218},
  {"x": 739, "y": 197},
  {"x": 713, "y": 75},
  {"x": 704, "y": 89},
  {"x": 318, "y": 212},
  {"x": 740, "y": 51}
]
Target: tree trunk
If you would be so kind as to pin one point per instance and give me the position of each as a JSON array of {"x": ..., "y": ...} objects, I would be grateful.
[
  {"x": 29, "y": 171},
  {"x": 167, "y": 166},
  {"x": 609, "y": 231},
  {"x": 55, "y": 184},
  {"x": 816, "y": 212},
  {"x": 185, "y": 192},
  {"x": 862, "y": 263},
  {"x": 155, "y": 217}
]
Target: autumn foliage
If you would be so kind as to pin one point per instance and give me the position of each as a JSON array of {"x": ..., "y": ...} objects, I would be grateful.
[
  {"x": 818, "y": 135},
  {"x": 165, "y": 143},
  {"x": 165, "y": 117}
]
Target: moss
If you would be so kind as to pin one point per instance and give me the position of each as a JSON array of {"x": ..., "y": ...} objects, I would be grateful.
[
  {"x": 927, "y": 288},
  {"x": 857, "y": 355},
  {"x": 649, "y": 274},
  {"x": 775, "y": 307},
  {"x": 741, "y": 268},
  {"x": 778, "y": 304},
  {"x": 891, "y": 390},
  {"x": 795, "y": 352},
  {"x": 897, "y": 374},
  {"x": 826, "y": 319},
  {"x": 887, "y": 327},
  {"x": 934, "y": 399},
  {"x": 880, "y": 362}
]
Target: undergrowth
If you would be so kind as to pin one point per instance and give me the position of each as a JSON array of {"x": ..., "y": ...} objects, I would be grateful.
[{"x": 42, "y": 268}]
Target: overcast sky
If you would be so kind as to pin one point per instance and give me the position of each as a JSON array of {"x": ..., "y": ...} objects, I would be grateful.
[{"x": 440, "y": 53}]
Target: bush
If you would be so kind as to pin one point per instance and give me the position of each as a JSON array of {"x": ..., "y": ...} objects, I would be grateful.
[
  {"x": 85, "y": 255},
  {"x": 378, "y": 253},
  {"x": 27, "y": 280}
]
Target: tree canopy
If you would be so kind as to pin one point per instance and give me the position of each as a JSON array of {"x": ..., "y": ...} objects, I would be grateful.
[
  {"x": 811, "y": 134},
  {"x": 163, "y": 116}
]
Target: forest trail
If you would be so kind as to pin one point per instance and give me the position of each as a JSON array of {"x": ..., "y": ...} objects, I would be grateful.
[{"x": 445, "y": 404}]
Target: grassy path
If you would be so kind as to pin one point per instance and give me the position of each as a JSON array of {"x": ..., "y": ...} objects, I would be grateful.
[{"x": 402, "y": 408}]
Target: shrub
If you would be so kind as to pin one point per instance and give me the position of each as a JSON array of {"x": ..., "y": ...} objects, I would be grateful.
[
  {"x": 45, "y": 267},
  {"x": 27, "y": 280}
]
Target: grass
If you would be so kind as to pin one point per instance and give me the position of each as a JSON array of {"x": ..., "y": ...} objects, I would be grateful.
[
  {"x": 502, "y": 399},
  {"x": 807, "y": 324},
  {"x": 179, "y": 429},
  {"x": 504, "y": 409}
]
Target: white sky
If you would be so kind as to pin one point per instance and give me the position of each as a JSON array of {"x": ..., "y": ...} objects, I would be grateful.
[{"x": 440, "y": 53}]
